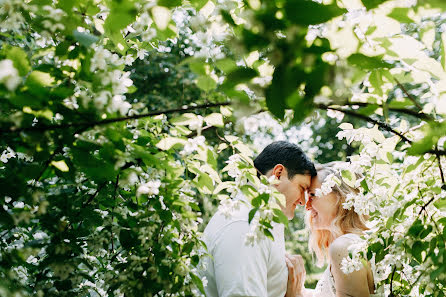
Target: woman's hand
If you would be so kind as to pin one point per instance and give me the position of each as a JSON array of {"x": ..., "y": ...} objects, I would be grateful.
[{"x": 296, "y": 275}]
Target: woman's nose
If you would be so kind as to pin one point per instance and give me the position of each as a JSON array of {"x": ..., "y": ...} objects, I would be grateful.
[{"x": 308, "y": 205}]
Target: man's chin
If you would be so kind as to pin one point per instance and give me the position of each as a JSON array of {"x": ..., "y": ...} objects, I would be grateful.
[{"x": 290, "y": 216}]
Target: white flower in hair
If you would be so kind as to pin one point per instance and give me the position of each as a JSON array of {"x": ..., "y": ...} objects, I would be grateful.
[{"x": 328, "y": 184}]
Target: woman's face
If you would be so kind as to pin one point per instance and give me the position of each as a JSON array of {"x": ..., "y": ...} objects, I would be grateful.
[{"x": 322, "y": 209}]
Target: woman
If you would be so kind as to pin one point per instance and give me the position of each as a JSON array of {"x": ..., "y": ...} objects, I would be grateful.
[{"x": 333, "y": 229}]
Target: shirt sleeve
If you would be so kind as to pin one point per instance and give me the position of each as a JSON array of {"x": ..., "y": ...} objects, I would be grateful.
[{"x": 240, "y": 269}]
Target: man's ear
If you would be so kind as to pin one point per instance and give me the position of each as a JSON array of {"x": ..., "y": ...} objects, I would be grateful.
[{"x": 278, "y": 171}]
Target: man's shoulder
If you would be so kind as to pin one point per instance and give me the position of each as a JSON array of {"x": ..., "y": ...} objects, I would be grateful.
[
  {"x": 222, "y": 223},
  {"x": 220, "y": 219}
]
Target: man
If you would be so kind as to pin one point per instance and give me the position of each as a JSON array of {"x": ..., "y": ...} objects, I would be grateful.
[{"x": 237, "y": 269}]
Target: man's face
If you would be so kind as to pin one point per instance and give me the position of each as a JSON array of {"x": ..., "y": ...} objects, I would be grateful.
[{"x": 293, "y": 189}]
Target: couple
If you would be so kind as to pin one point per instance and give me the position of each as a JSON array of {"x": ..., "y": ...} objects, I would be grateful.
[{"x": 264, "y": 269}]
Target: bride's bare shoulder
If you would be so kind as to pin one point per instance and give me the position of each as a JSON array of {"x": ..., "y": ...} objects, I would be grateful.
[{"x": 339, "y": 247}]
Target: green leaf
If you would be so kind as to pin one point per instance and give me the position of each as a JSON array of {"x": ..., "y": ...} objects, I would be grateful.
[
  {"x": 198, "y": 66},
  {"x": 19, "y": 58},
  {"x": 442, "y": 221},
  {"x": 128, "y": 239},
  {"x": 433, "y": 131},
  {"x": 198, "y": 4},
  {"x": 62, "y": 48},
  {"x": 38, "y": 81},
  {"x": 214, "y": 119},
  {"x": 348, "y": 177},
  {"x": 61, "y": 165},
  {"x": 169, "y": 3},
  {"x": 228, "y": 18},
  {"x": 84, "y": 39},
  {"x": 416, "y": 228},
  {"x": 252, "y": 213},
  {"x": 226, "y": 65},
  {"x": 376, "y": 82},
  {"x": 256, "y": 202},
  {"x": 284, "y": 84},
  {"x": 268, "y": 234},
  {"x": 170, "y": 142},
  {"x": 307, "y": 12},
  {"x": 440, "y": 204},
  {"x": 239, "y": 75},
  {"x": 417, "y": 249},
  {"x": 122, "y": 13},
  {"x": 281, "y": 217},
  {"x": 365, "y": 62},
  {"x": 426, "y": 231},
  {"x": 370, "y": 4},
  {"x": 400, "y": 14},
  {"x": 206, "y": 83},
  {"x": 197, "y": 281},
  {"x": 67, "y": 5},
  {"x": 436, "y": 273},
  {"x": 443, "y": 50},
  {"x": 205, "y": 183}
]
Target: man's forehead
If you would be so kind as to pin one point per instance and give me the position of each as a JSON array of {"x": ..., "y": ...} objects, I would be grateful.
[{"x": 303, "y": 179}]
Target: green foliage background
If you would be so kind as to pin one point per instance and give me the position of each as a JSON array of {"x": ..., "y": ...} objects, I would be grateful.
[{"x": 101, "y": 100}]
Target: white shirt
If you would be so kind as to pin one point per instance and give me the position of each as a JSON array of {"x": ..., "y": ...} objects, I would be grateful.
[{"x": 237, "y": 269}]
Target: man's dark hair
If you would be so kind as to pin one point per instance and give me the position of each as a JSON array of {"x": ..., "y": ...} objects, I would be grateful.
[{"x": 287, "y": 154}]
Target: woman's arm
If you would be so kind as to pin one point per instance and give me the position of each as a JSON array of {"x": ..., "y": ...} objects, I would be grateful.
[{"x": 352, "y": 284}]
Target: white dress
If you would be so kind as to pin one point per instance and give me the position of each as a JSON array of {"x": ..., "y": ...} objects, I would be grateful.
[{"x": 326, "y": 285}]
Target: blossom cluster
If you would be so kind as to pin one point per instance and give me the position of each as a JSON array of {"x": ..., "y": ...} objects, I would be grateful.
[{"x": 9, "y": 76}]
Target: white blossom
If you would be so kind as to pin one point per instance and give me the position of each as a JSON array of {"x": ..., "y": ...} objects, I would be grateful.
[
  {"x": 338, "y": 115},
  {"x": 7, "y": 154},
  {"x": 150, "y": 188},
  {"x": 117, "y": 104},
  {"x": 228, "y": 206},
  {"x": 9, "y": 76},
  {"x": 197, "y": 124},
  {"x": 349, "y": 265},
  {"x": 193, "y": 144}
]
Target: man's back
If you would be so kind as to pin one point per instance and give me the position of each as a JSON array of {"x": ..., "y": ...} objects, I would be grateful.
[{"x": 237, "y": 269}]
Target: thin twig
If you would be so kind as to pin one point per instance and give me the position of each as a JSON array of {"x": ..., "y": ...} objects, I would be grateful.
[
  {"x": 86, "y": 125},
  {"x": 426, "y": 205},
  {"x": 391, "y": 281},
  {"x": 101, "y": 186},
  {"x": 411, "y": 98},
  {"x": 441, "y": 169},
  {"x": 112, "y": 213}
]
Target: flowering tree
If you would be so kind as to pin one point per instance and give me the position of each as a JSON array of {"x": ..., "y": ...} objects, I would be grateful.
[
  {"x": 390, "y": 74},
  {"x": 104, "y": 185}
]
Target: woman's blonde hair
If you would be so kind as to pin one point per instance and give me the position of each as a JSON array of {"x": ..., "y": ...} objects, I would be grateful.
[{"x": 345, "y": 221}]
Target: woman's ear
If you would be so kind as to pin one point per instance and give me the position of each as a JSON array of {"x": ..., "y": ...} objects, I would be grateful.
[{"x": 278, "y": 171}]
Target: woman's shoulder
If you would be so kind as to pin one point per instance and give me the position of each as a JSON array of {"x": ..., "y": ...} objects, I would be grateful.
[{"x": 339, "y": 247}]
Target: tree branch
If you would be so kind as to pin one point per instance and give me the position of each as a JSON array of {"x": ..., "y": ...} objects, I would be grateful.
[
  {"x": 411, "y": 112},
  {"x": 382, "y": 125},
  {"x": 411, "y": 98},
  {"x": 86, "y": 125}
]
